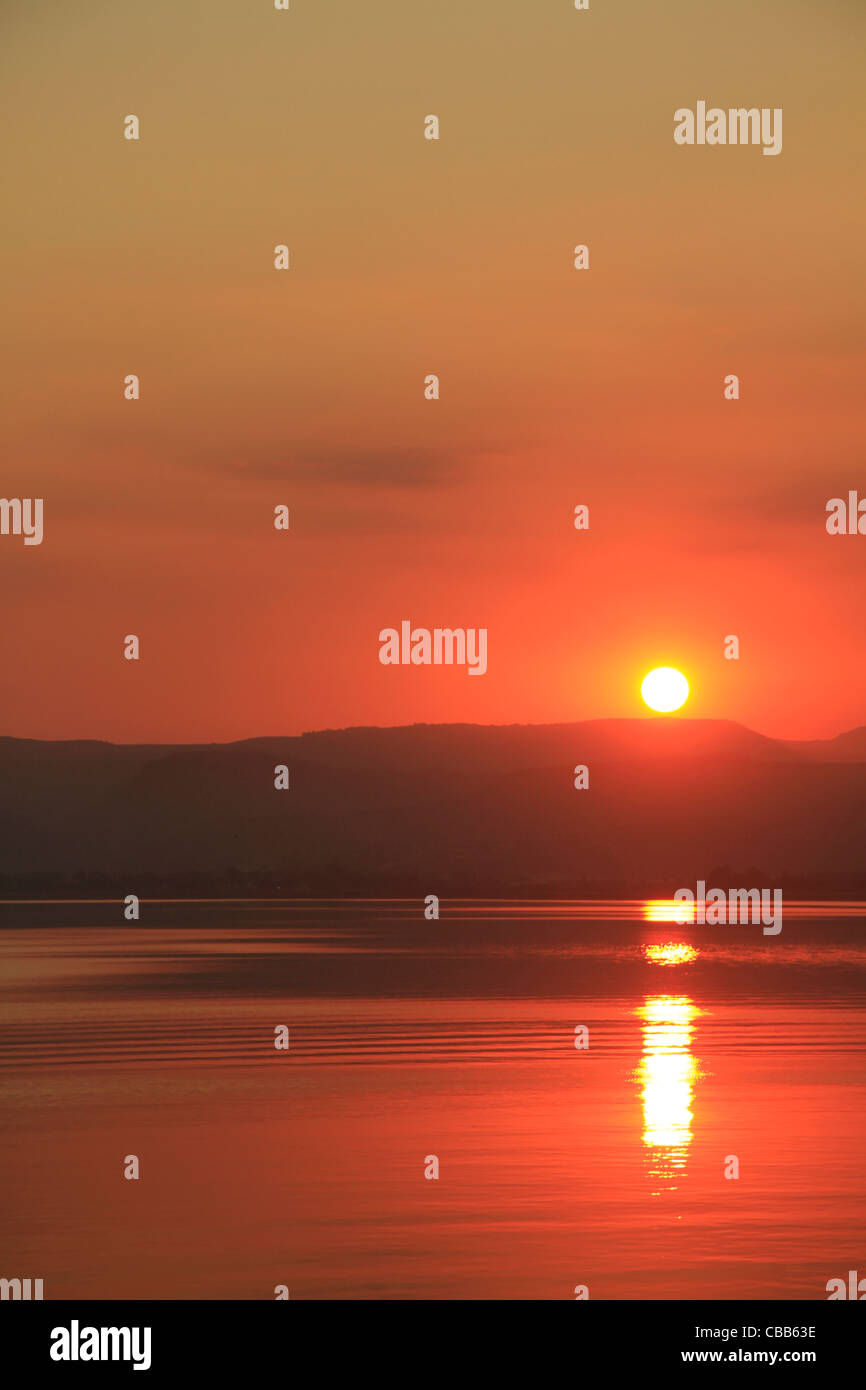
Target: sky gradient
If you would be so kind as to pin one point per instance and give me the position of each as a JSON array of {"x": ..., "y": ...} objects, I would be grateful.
[{"x": 412, "y": 257}]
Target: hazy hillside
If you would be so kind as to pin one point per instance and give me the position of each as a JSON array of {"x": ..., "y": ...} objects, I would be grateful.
[
  {"x": 437, "y": 808},
  {"x": 845, "y": 748}
]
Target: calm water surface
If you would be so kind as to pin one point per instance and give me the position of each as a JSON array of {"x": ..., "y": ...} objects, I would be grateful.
[{"x": 559, "y": 1165}]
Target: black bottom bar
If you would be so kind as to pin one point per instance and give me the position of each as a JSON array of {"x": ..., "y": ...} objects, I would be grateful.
[{"x": 406, "y": 1342}]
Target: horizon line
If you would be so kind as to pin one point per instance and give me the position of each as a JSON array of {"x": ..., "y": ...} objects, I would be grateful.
[{"x": 673, "y": 718}]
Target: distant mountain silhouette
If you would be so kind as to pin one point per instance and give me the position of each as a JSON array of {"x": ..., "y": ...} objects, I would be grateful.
[
  {"x": 845, "y": 748},
  {"x": 448, "y": 809}
]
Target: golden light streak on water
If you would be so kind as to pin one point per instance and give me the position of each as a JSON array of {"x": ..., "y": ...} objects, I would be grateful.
[
  {"x": 666, "y": 1075},
  {"x": 670, "y": 953},
  {"x": 668, "y": 910}
]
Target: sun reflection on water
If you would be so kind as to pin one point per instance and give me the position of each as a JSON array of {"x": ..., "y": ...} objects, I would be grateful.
[
  {"x": 670, "y": 953},
  {"x": 666, "y": 1074},
  {"x": 668, "y": 910}
]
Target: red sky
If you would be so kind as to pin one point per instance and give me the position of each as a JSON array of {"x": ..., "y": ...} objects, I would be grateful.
[{"x": 412, "y": 257}]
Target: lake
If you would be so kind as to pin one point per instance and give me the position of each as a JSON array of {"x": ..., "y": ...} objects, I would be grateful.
[{"x": 601, "y": 1164}]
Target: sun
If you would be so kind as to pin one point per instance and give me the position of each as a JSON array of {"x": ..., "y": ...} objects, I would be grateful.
[{"x": 664, "y": 689}]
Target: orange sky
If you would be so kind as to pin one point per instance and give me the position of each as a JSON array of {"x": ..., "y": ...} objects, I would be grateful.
[{"x": 411, "y": 257}]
